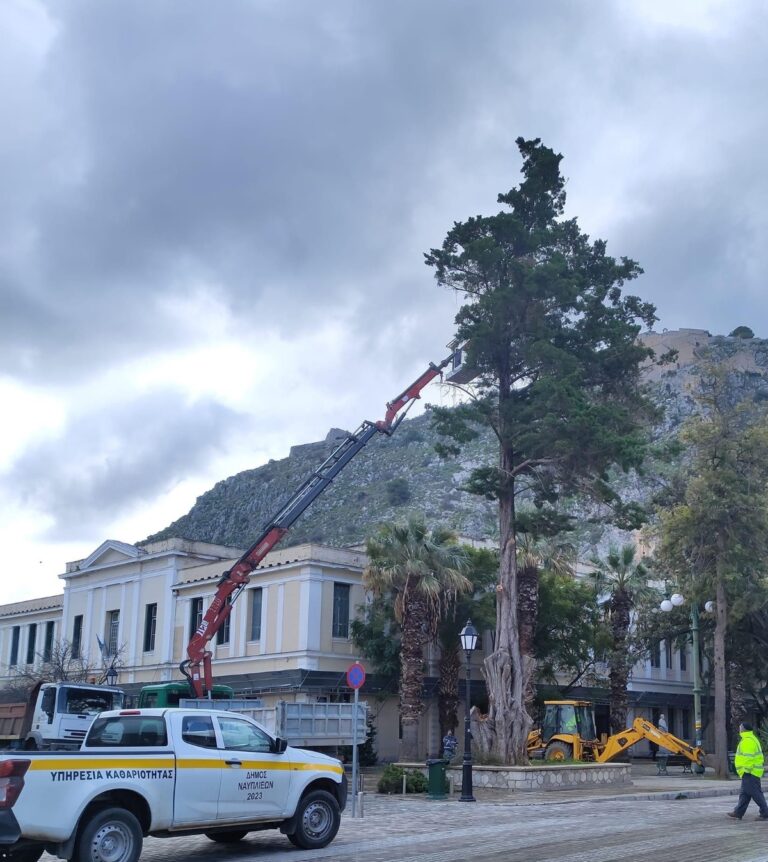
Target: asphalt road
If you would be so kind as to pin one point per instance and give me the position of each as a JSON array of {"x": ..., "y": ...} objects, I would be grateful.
[{"x": 395, "y": 830}]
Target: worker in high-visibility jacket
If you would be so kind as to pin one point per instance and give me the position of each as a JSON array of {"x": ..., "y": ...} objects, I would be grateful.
[{"x": 749, "y": 767}]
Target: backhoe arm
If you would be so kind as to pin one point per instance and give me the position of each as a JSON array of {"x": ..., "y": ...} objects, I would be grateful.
[{"x": 643, "y": 729}]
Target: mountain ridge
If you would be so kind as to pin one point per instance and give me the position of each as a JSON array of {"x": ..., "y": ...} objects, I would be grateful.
[{"x": 402, "y": 473}]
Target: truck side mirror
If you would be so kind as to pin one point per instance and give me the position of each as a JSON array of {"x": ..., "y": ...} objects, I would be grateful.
[{"x": 280, "y": 745}]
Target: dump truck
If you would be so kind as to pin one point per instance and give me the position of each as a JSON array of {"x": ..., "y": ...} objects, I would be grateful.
[
  {"x": 568, "y": 733},
  {"x": 55, "y": 715}
]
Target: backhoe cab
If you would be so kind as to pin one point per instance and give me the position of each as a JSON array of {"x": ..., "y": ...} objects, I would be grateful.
[{"x": 568, "y": 733}]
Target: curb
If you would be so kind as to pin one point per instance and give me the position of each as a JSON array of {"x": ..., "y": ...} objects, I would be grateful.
[{"x": 643, "y": 797}]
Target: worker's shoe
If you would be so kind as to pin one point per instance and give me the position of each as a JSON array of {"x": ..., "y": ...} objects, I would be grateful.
[
  {"x": 762, "y": 817},
  {"x": 733, "y": 815}
]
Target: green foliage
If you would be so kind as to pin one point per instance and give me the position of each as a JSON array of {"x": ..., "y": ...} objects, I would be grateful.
[
  {"x": 552, "y": 337},
  {"x": 742, "y": 332},
  {"x": 376, "y": 634},
  {"x": 409, "y": 559},
  {"x": 398, "y": 492},
  {"x": 391, "y": 780},
  {"x": 720, "y": 527},
  {"x": 569, "y": 630}
]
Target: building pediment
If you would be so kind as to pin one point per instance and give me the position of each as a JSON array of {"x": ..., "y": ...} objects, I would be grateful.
[{"x": 108, "y": 553}]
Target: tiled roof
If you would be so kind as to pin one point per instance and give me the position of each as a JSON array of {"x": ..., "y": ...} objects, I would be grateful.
[
  {"x": 32, "y": 605},
  {"x": 308, "y": 553}
]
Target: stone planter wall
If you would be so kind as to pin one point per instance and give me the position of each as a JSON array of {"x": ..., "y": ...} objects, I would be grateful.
[{"x": 540, "y": 778}]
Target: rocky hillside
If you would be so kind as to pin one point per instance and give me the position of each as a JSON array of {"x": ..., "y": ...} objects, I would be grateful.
[{"x": 402, "y": 473}]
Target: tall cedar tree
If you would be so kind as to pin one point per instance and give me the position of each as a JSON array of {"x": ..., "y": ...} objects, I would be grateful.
[
  {"x": 555, "y": 347},
  {"x": 716, "y": 541}
]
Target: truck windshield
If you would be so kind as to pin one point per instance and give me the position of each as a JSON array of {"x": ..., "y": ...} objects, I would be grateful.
[{"x": 88, "y": 701}]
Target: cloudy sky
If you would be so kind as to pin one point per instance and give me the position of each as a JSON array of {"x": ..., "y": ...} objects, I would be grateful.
[{"x": 212, "y": 217}]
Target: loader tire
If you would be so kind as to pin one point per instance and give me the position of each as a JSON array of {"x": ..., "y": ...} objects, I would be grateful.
[{"x": 558, "y": 751}]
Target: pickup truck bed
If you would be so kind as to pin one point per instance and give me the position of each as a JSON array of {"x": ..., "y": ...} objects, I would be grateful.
[{"x": 165, "y": 772}]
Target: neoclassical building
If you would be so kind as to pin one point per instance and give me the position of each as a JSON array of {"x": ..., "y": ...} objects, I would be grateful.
[{"x": 288, "y": 636}]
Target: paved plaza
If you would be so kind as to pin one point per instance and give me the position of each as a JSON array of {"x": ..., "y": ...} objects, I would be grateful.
[{"x": 645, "y": 823}]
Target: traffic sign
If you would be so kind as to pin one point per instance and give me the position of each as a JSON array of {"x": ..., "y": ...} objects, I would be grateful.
[{"x": 355, "y": 675}]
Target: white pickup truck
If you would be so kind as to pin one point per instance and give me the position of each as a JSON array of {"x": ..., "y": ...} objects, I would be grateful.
[{"x": 165, "y": 772}]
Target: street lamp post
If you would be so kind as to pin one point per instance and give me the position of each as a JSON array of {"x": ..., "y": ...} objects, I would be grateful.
[
  {"x": 111, "y": 675},
  {"x": 468, "y": 639},
  {"x": 675, "y": 601}
]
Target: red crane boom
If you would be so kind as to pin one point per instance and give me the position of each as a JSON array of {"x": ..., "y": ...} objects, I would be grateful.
[{"x": 197, "y": 666}]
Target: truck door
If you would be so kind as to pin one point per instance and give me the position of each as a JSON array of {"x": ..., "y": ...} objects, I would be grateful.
[
  {"x": 198, "y": 770},
  {"x": 254, "y": 780}
]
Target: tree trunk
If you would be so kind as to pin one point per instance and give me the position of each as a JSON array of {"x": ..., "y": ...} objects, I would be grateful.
[
  {"x": 508, "y": 722},
  {"x": 619, "y": 672},
  {"x": 412, "y": 674},
  {"x": 721, "y": 733},
  {"x": 448, "y": 688},
  {"x": 737, "y": 697},
  {"x": 527, "y": 612}
]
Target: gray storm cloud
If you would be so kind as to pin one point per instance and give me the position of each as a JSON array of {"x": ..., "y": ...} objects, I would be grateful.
[
  {"x": 296, "y": 159},
  {"x": 109, "y": 461}
]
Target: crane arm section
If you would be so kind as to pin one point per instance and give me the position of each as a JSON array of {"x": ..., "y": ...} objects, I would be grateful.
[
  {"x": 642, "y": 729},
  {"x": 197, "y": 666}
]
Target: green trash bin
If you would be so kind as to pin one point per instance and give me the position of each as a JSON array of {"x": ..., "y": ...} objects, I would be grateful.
[{"x": 436, "y": 779}]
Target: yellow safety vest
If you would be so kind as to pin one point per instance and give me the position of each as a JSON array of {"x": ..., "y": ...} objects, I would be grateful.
[{"x": 749, "y": 755}]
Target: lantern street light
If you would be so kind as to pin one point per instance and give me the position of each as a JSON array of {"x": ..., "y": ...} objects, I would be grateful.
[
  {"x": 675, "y": 601},
  {"x": 468, "y": 638},
  {"x": 111, "y": 675}
]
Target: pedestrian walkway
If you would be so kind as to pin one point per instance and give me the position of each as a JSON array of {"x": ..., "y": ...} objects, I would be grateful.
[{"x": 646, "y": 785}]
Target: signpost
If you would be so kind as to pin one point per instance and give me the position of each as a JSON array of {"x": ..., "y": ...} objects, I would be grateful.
[{"x": 355, "y": 680}]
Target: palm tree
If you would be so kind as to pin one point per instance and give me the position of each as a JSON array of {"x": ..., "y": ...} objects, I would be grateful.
[
  {"x": 621, "y": 584},
  {"x": 423, "y": 570},
  {"x": 535, "y": 555},
  {"x": 479, "y": 605}
]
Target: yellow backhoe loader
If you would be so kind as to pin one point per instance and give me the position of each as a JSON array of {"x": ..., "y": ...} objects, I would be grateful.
[{"x": 568, "y": 733}]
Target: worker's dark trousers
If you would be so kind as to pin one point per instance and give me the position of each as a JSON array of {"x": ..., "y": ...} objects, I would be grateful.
[{"x": 750, "y": 789}]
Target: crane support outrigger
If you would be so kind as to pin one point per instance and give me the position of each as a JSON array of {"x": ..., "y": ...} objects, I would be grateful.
[{"x": 197, "y": 666}]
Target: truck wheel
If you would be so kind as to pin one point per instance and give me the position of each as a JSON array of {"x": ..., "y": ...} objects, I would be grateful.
[
  {"x": 231, "y": 837},
  {"x": 30, "y": 745},
  {"x": 317, "y": 821},
  {"x": 558, "y": 751},
  {"x": 111, "y": 835}
]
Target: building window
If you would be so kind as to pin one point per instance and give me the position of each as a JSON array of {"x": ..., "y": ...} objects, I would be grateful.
[
  {"x": 77, "y": 636},
  {"x": 195, "y": 614},
  {"x": 150, "y": 627},
  {"x": 341, "y": 610},
  {"x": 684, "y": 657},
  {"x": 256, "y": 596},
  {"x": 668, "y": 653},
  {"x": 113, "y": 632},
  {"x": 15, "y": 635},
  {"x": 48, "y": 643},
  {"x": 656, "y": 654},
  {"x": 222, "y": 635},
  {"x": 32, "y": 637}
]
